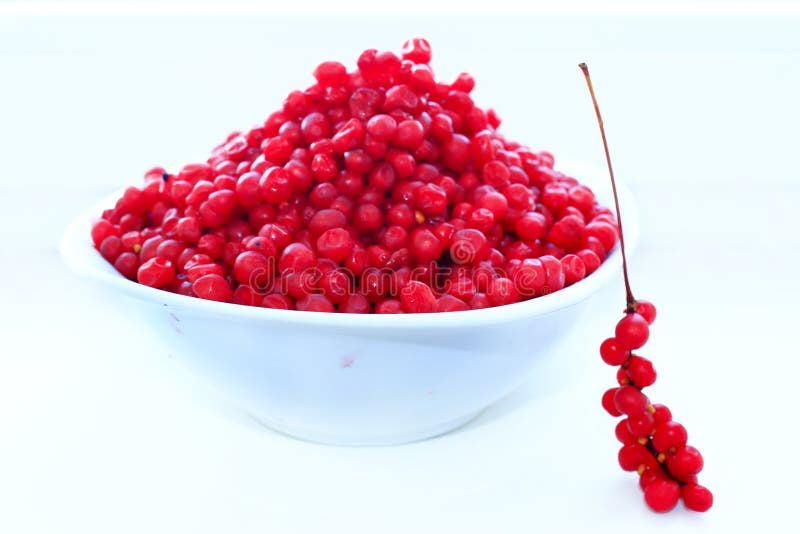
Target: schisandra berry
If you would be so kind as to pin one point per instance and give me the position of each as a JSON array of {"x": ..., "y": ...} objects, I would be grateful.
[
  {"x": 609, "y": 404},
  {"x": 640, "y": 424},
  {"x": 669, "y": 435},
  {"x": 653, "y": 444},
  {"x": 640, "y": 371},
  {"x": 696, "y": 497},
  {"x": 632, "y": 331},
  {"x": 647, "y": 310},
  {"x": 381, "y": 174},
  {"x": 629, "y": 400},
  {"x": 685, "y": 462},
  {"x": 662, "y": 495},
  {"x": 612, "y": 352}
]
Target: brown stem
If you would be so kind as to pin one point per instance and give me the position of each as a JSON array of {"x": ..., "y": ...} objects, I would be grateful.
[{"x": 630, "y": 301}]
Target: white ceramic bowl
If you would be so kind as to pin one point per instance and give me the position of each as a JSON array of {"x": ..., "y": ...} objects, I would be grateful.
[{"x": 357, "y": 379}]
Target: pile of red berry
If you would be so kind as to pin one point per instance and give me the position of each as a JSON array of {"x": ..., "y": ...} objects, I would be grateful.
[{"x": 376, "y": 190}]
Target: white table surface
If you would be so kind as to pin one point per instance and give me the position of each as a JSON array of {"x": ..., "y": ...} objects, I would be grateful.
[{"x": 100, "y": 431}]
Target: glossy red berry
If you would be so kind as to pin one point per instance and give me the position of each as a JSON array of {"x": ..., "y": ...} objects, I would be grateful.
[
  {"x": 685, "y": 462},
  {"x": 696, "y": 497},
  {"x": 669, "y": 435},
  {"x": 641, "y": 372},
  {"x": 417, "y": 297},
  {"x": 335, "y": 244},
  {"x": 612, "y": 352},
  {"x": 608, "y": 402},
  {"x": 212, "y": 287},
  {"x": 156, "y": 272},
  {"x": 315, "y": 303},
  {"x": 629, "y": 400},
  {"x": 647, "y": 310},
  {"x": 631, "y": 456},
  {"x": 632, "y": 331},
  {"x": 254, "y": 269},
  {"x": 662, "y": 495},
  {"x": 641, "y": 424}
]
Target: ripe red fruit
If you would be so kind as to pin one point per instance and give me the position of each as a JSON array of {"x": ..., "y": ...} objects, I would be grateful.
[
  {"x": 641, "y": 424},
  {"x": 612, "y": 352},
  {"x": 647, "y": 310},
  {"x": 669, "y": 435},
  {"x": 685, "y": 462},
  {"x": 253, "y": 269},
  {"x": 632, "y": 331},
  {"x": 608, "y": 402},
  {"x": 417, "y": 297},
  {"x": 696, "y": 497},
  {"x": 212, "y": 287},
  {"x": 156, "y": 272},
  {"x": 629, "y": 400},
  {"x": 640, "y": 371},
  {"x": 316, "y": 303},
  {"x": 335, "y": 244},
  {"x": 662, "y": 495},
  {"x": 631, "y": 456},
  {"x": 425, "y": 246}
]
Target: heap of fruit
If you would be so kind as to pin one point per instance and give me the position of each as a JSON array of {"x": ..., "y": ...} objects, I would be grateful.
[{"x": 375, "y": 190}]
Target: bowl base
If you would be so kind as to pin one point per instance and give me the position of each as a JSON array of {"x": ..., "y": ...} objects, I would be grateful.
[{"x": 367, "y": 440}]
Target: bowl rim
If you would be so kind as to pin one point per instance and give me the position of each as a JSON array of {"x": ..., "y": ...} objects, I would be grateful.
[{"x": 80, "y": 255}]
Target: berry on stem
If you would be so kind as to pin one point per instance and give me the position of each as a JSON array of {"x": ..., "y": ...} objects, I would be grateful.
[{"x": 654, "y": 444}]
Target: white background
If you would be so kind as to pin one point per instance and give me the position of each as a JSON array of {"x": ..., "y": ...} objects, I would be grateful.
[{"x": 101, "y": 432}]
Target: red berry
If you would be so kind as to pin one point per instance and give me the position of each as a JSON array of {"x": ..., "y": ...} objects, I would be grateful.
[
  {"x": 650, "y": 475},
  {"x": 612, "y": 352},
  {"x": 608, "y": 402},
  {"x": 662, "y": 495},
  {"x": 631, "y": 456},
  {"x": 315, "y": 303},
  {"x": 430, "y": 198},
  {"x": 647, "y": 310},
  {"x": 111, "y": 248},
  {"x": 417, "y": 50},
  {"x": 101, "y": 230},
  {"x": 696, "y": 497},
  {"x": 355, "y": 303},
  {"x": 416, "y": 297},
  {"x": 468, "y": 246},
  {"x": 425, "y": 246},
  {"x": 156, "y": 272},
  {"x": 661, "y": 413},
  {"x": 629, "y": 400},
  {"x": 632, "y": 331},
  {"x": 449, "y": 303},
  {"x": 669, "y": 435},
  {"x": 253, "y": 269},
  {"x": 574, "y": 269},
  {"x": 331, "y": 73},
  {"x": 212, "y": 287},
  {"x": 640, "y": 371},
  {"x": 641, "y": 424},
  {"x": 335, "y": 244},
  {"x": 127, "y": 264},
  {"x": 685, "y": 462}
]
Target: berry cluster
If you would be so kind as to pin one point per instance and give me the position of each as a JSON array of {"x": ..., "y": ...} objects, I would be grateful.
[
  {"x": 653, "y": 444},
  {"x": 376, "y": 190}
]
